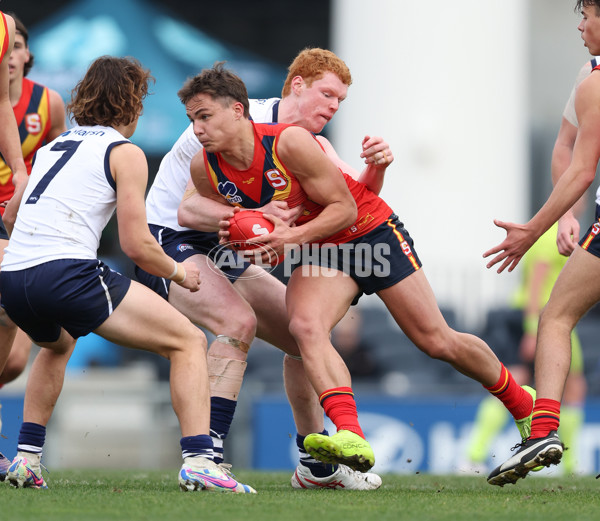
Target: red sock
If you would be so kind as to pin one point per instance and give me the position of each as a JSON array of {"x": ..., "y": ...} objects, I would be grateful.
[
  {"x": 518, "y": 401},
  {"x": 546, "y": 417},
  {"x": 340, "y": 407}
]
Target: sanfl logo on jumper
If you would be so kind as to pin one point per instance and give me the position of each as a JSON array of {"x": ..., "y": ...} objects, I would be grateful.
[
  {"x": 276, "y": 179},
  {"x": 33, "y": 123}
]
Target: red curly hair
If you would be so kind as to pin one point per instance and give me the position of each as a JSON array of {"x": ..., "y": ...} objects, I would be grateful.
[{"x": 312, "y": 64}]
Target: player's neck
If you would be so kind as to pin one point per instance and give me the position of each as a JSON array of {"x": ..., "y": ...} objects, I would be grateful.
[
  {"x": 286, "y": 111},
  {"x": 240, "y": 154},
  {"x": 15, "y": 90}
]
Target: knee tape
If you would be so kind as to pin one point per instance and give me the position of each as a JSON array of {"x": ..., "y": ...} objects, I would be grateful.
[{"x": 225, "y": 376}]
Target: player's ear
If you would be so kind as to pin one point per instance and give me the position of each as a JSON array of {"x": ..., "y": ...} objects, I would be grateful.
[
  {"x": 238, "y": 110},
  {"x": 297, "y": 84}
]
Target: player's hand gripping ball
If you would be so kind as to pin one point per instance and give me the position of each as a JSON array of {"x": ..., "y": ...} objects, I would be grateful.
[{"x": 248, "y": 224}]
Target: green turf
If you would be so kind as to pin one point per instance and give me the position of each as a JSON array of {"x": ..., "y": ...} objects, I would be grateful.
[{"x": 154, "y": 495}]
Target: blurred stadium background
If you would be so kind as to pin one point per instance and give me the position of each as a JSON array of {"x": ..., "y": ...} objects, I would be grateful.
[{"x": 468, "y": 94}]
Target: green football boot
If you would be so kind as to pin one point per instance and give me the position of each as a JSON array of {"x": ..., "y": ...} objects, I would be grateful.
[{"x": 344, "y": 447}]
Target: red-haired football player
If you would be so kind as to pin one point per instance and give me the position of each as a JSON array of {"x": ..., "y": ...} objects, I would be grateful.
[
  {"x": 247, "y": 301},
  {"x": 237, "y": 308},
  {"x": 365, "y": 249}
]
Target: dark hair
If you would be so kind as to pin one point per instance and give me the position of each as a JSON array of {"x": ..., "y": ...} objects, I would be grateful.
[
  {"x": 218, "y": 83},
  {"x": 111, "y": 92},
  {"x": 22, "y": 30},
  {"x": 586, "y": 3},
  {"x": 312, "y": 64}
]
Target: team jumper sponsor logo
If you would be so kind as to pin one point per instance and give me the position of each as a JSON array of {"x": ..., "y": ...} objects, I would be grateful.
[{"x": 229, "y": 191}]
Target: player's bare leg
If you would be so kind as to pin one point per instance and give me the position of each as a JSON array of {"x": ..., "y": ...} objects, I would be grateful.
[
  {"x": 315, "y": 304},
  {"x": 317, "y": 298},
  {"x": 46, "y": 378},
  {"x": 266, "y": 295},
  {"x": 8, "y": 330},
  {"x": 159, "y": 328},
  {"x": 572, "y": 417},
  {"x": 44, "y": 384},
  {"x": 168, "y": 333},
  {"x": 219, "y": 308},
  {"x": 307, "y": 411},
  {"x": 414, "y": 308},
  {"x": 576, "y": 290},
  {"x": 18, "y": 358}
]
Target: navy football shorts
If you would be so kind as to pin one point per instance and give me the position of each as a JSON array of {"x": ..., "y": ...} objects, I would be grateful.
[
  {"x": 375, "y": 261},
  {"x": 182, "y": 245},
  {"x": 74, "y": 294}
]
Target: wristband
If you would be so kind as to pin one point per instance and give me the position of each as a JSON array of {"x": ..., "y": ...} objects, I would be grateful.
[
  {"x": 183, "y": 279},
  {"x": 170, "y": 277}
]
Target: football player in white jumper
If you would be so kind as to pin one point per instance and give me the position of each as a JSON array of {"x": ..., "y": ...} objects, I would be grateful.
[{"x": 56, "y": 290}]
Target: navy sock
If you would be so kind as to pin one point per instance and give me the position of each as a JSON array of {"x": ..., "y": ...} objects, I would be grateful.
[
  {"x": 221, "y": 416},
  {"x": 200, "y": 445},
  {"x": 317, "y": 468},
  {"x": 31, "y": 437}
]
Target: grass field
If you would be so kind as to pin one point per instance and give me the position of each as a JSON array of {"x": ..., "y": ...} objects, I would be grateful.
[{"x": 154, "y": 495}]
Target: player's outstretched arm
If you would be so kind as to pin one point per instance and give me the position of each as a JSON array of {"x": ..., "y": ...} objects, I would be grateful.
[
  {"x": 568, "y": 189},
  {"x": 510, "y": 251},
  {"x": 130, "y": 171}
]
